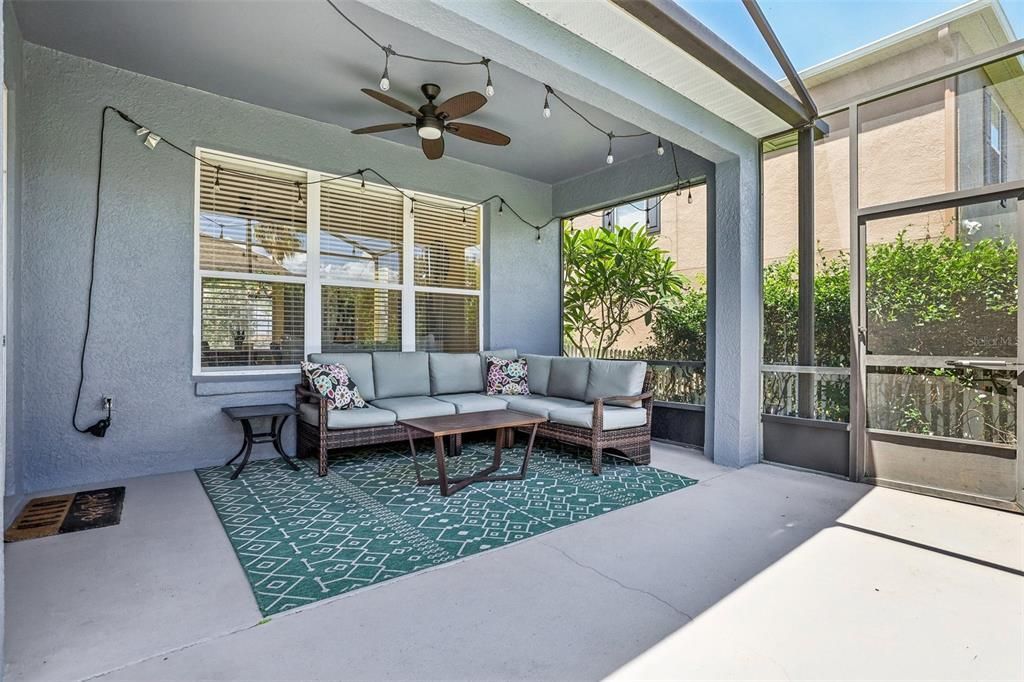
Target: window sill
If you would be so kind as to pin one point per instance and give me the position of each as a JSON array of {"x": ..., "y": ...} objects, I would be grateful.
[{"x": 277, "y": 381}]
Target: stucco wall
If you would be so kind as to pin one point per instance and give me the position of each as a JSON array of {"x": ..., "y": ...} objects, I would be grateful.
[{"x": 142, "y": 327}]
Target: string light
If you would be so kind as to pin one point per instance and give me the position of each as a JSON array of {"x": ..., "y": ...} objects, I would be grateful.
[
  {"x": 489, "y": 89},
  {"x": 362, "y": 182},
  {"x": 660, "y": 150},
  {"x": 463, "y": 214},
  {"x": 689, "y": 195},
  {"x": 610, "y": 158},
  {"x": 216, "y": 180},
  {"x": 385, "y": 81},
  {"x": 299, "y": 201},
  {"x": 547, "y": 107},
  {"x": 503, "y": 204}
]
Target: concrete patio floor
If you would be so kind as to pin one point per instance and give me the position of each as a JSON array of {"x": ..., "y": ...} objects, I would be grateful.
[{"x": 762, "y": 572}]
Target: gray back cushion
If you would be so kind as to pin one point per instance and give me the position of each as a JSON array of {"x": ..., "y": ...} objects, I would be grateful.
[
  {"x": 538, "y": 371},
  {"x": 616, "y": 377},
  {"x": 568, "y": 378},
  {"x": 359, "y": 365},
  {"x": 455, "y": 373},
  {"x": 400, "y": 374},
  {"x": 503, "y": 353}
]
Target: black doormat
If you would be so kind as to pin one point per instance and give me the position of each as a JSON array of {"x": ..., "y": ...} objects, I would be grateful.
[{"x": 58, "y": 514}]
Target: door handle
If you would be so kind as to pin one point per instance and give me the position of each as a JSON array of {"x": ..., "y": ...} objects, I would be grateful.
[{"x": 976, "y": 363}]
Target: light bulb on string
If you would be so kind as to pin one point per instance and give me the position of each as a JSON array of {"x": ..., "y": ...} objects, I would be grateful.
[
  {"x": 216, "y": 180},
  {"x": 547, "y": 108},
  {"x": 385, "y": 81},
  {"x": 689, "y": 195},
  {"x": 660, "y": 150},
  {"x": 610, "y": 158},
  {"x": 501, "y": 206},
  {"x": 362, "y": 182},
  {"x": 299, "y": 201}
]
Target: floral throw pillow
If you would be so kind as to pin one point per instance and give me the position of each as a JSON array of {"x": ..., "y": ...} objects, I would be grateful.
[
  {"x": 507, "y": 377},
  {"x": 334, "y": 385}
]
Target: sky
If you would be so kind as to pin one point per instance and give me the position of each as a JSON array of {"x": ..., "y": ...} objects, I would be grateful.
[{"x": 813, "y": 31}]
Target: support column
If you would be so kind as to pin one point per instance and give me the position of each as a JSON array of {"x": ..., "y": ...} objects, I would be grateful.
[
  {"x": 806, "y": 254},
  {"x": 734, "y": 346}
]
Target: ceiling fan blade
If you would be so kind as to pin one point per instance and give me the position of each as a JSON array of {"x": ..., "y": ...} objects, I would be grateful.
[
  {"x": 461, "y": 105},
  {"x": 478, "y": 133},
  {"x": 382, "y": 128},
  {"x": 433, "y": 149},
  {"x": 391, "y": 102}
]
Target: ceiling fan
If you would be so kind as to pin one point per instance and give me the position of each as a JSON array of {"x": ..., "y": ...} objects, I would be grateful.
[{"x": 433, "y": 120}]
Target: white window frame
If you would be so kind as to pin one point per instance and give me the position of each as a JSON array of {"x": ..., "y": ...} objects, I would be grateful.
[{"x": 312, "y": 281}]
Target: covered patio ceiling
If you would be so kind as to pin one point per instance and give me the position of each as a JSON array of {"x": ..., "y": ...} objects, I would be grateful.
[{"x": 302, "y": 58}]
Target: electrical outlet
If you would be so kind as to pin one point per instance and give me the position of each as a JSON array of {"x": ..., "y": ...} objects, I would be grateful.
[{"x": 108, "y": 402}]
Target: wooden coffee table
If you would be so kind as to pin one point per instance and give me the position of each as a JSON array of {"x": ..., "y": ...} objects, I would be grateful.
[{"x": 452, "y": 426}]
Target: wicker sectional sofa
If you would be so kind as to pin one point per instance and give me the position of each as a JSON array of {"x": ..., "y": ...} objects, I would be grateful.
[{"x": 604, "y": 405}]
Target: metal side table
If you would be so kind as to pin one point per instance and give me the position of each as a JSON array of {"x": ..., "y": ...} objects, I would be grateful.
[{"x": 278, "y": 414}]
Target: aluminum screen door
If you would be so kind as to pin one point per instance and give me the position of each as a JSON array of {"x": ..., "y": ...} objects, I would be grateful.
[{"x": 939, "y": 338}]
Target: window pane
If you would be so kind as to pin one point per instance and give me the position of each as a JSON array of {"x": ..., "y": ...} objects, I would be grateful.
[
  {"x": 944, "y": 283},
  {"x": 360, "y": 233},
  {"x": 964, "y": 403},
  {"x": 447, "y": 251},
  {"x": 779, "y": 249},
  {"x": 447, "y": 322},
  {"x": 354, "y": 318},
  {"x": 253, "y": 223},
  {"x": 247, "y": 323},
  {"x": 960, "y": 133}
]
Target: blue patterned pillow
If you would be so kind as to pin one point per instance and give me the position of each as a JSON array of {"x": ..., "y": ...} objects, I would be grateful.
[
  {"x": 334, "y": 385},
  {"x": 507, "y": 377}
]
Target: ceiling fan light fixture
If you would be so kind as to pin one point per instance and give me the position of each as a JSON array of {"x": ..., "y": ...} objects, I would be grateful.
[{"x": 429, "y": 130}]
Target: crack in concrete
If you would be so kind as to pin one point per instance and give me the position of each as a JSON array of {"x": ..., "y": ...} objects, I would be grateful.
[{"x": 617, "y": 581}]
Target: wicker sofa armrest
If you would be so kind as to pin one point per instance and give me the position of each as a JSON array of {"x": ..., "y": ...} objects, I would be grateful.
[{"x": 645, "y": 398}]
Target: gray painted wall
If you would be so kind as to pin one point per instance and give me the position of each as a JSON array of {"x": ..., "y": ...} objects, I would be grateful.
[{"x": 141, "y": 346}]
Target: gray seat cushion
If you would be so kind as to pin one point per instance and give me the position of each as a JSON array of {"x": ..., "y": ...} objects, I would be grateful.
[
  {"x": 355, "y": 418},
  {"x": 400, "y": 374},
  {"x": 359, "y": 366},
  {"x": 538, "y": 369},
  {"x": 473, "y": 402},
  {"x": 569, "y": 378},
  {"x": 455, "y": 373},
  {"x": 616, "y": 377},
  {"x": 413, "y": 407},
  {"x": 540, "y": 405},
  {"x": 614, "y": 417}
]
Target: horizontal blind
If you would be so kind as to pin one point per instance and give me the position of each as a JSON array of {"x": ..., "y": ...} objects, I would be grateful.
[
  {"x": 360, "y": 233},
  {"x": 248, "y": 323},
  {"x": 253, "y": 223},
  {"x": 447, "y": 322},
  {"x": 357, "y": 318},
  {"x": 447, "y": 245}
]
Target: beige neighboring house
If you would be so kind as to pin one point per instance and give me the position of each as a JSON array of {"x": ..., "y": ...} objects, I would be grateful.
[{"x": 962, "y": 132}]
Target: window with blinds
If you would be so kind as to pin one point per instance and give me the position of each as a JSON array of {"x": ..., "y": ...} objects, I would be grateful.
[
  {"x": 447, "y": 246},
  {"x": 252, "y": 236},
  {"x": 357, "y": 318},
  {"x": 292, "y": 262},
  {"x": 448, "y": 323}
]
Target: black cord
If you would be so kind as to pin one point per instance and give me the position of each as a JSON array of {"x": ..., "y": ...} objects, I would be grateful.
[{"x": 92, "y": 269}]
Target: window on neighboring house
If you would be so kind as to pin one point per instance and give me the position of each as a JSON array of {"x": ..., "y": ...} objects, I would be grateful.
[
  {"x": 995, "y": 139},
  {"x": 646, "y": 212},
  {"x": 286, "y": 269}
]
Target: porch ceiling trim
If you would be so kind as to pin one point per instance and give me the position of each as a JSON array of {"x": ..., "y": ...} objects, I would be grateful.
[{"x": 684, "y": 31}]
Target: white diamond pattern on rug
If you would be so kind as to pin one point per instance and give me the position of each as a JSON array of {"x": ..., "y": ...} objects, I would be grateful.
[{"x": 301, "y": 538}]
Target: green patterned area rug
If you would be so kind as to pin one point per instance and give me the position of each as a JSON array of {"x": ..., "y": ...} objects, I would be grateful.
[{"x": 302, "y": 538}]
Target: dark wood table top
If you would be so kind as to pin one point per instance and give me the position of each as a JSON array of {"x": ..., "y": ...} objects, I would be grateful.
[
  {"x": 257, "y": 411},
  {"x": 468, "y": 422}
]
